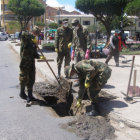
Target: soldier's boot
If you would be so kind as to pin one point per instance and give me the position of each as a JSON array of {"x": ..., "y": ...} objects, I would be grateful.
[
  {"x": 22, "y": 93},
  {"x": 117, "y": 64},
  {"x": 30, "y": 96},
  {"x": 59, "y": 73},
  {"x": 93, "y": 111}
]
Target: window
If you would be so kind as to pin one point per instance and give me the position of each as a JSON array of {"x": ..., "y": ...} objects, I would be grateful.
[
  {"x": 86, "y": 22},
  {"x": 138, "y": 24},
  {"x": 6, "y": 7}
]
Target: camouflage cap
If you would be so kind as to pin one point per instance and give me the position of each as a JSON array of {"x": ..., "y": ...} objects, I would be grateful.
[
  {"x": 65, "y": 20},
  {"x": 36, "y": 29},
  {"x": 75, "y": 22}
]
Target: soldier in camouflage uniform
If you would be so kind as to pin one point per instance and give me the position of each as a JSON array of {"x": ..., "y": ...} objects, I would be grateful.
[
  {"x": 62, "y": 38},
  {"x": 81, "y": 40},
  {"x": 28, "y": 53},
  {"x": 92, "y": 77}
]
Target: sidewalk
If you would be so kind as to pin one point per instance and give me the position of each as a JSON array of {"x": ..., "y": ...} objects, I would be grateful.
[{"x": 118, "y": 109}]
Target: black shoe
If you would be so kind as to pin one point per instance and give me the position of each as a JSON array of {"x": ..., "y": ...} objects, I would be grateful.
[
  {"x": 22, "y": 94},
  {"x": 30, "y": 96},
  {"x": 29, "y": 99},
  {"x": 117, "y": 65},
  {"x": 93, "y": 112}
]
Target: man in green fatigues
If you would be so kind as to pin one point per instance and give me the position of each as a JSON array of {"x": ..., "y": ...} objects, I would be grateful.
[
  {"x": 92, "y": 78},
  {"x": 62, "y": 38},
  {"x": 28, "y": 53},
  {"x": 81, "y": 40}
]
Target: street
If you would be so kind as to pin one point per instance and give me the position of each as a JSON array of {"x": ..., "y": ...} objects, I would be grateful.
[{"x": 16, "y": 121}]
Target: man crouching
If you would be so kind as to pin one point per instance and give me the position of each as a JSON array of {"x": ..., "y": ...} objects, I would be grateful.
[{"x": 92, "y": 78}]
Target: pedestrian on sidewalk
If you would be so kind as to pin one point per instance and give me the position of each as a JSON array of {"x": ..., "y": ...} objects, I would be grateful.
[
  {"x": 63, "y": 39},
  {"x": 115, "y": 47},
  {"x": 28, "y": 53},
  {"x": 81, "y": 41},
  {"x": 92, "y": 78}
]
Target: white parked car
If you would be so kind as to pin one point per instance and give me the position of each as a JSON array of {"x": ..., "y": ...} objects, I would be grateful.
[{"x": 3, "y": 36}]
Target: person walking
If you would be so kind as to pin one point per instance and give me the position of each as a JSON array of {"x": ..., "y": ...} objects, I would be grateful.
[
  {"x": 63, "y": 39},
  {"x": 28, "y": 53},
  {"x": 92, "y": 78},
  {"x": 81, "y": 41},
  {"x": 115, "y": 47}
]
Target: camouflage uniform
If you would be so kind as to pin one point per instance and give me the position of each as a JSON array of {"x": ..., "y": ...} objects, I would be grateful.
[
  {"x": 62, "y": 38},
  {"x": 96, "y": 73},
  {"x": 80, "y": 42},
  {"x": 28, "y": 53}
]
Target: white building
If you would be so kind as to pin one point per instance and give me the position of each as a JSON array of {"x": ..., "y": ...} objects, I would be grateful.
[
  {"x": 85, "y": 20},
  {"x": 134, "y": 29}
]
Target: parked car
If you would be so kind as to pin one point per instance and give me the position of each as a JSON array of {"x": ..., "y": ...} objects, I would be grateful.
[{"x": 3, "y": 36}]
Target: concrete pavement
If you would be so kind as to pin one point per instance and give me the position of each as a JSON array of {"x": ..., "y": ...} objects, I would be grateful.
[{"x": 118, "y": 109}]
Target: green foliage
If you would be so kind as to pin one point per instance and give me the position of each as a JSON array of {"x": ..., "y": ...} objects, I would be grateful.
[
  {"x": 116, "y": 22},
  {"x": 41, "y": 24},
  {"x": 25, "y": 10},
  {"x": 104, "y": 10},
  {"x": 53, "y": 25},
  {"x": 49, "y": 46},
  {"x": 14, "y": 26},
  {"x": 133, "y": 8}
]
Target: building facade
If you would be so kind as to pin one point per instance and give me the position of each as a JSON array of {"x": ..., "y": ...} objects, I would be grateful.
[
  {"x": 52, "y": 12},
  {"x": 85, "y": 20},
  {"x": 134, "y": 29}
]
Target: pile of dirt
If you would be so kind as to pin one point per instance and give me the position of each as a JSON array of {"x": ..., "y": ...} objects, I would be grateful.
[
  {"x": 92, "y": 128},
  {"x": 86, "y": 104},
  {"x": 60, "y": 99}
]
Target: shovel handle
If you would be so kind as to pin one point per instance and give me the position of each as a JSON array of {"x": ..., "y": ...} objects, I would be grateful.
[
  {"x": 130, "y": 75},
  {"x": 49, "y": 66}
]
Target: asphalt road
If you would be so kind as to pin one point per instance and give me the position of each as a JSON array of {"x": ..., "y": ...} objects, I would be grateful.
[{"x": 18, "y": 122}]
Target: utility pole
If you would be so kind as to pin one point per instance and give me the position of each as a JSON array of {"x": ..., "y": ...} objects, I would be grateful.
[
  {"x": 121, "y": 18},
  {"x": 3, "y": 17},
  {"x": 45, "y": 21}
]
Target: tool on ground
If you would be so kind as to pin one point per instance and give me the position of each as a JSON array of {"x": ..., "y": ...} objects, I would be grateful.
[
  {"x": 127, "y": 98},
  {"x": 49, "y": 66},
  {"x": 125, "y": 59}
]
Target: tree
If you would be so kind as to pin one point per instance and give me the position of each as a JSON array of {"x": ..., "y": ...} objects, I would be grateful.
[
  {"x": 13, "y": 26},
  {"x": 133, "y": 8},
  {"x": 104, "y": 10},
  {"x": 53, "y": 25},
  {"x": 25, "y": 10}
]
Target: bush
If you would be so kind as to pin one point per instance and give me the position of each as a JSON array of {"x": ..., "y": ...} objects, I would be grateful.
[{"x": 49, "y": 46}]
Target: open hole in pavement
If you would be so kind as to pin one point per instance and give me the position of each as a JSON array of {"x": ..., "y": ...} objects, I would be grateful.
[
  {"x": 60, "y": 99},
  {"x": 63, "y": 102}
]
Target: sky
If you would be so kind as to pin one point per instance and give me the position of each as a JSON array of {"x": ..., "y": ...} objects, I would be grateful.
[{"x": 68, "y": 4}]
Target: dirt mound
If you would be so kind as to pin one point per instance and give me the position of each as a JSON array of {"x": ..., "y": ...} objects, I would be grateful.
[{"x": 92, "y": 128}]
